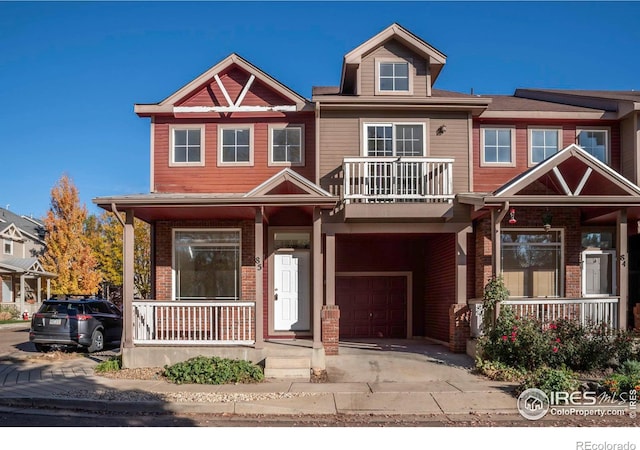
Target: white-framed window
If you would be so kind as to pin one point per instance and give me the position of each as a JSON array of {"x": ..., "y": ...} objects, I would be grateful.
[
  {"x": 187, "y": 145},
  {"x": 235, "y": 145},
  {"x": 393, "y": 76},
  {"x": 207, "y": 264},
  {"x": 595, "y": 142},
  {"x": 394, "y": 139},
  {"x": 286, "y": 145},
  {"x": 498, "y": 146},
  {"x": 543, "y": 143},
  {"x": 7, "y": 246},
  {"x": 532, "y": 262}
]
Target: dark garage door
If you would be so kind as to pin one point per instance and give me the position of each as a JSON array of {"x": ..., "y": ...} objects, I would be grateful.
[{"x": 372, "y": 306}]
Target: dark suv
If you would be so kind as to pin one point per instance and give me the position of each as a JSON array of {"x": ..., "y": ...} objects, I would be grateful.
[{"x": 87, "y": 323}]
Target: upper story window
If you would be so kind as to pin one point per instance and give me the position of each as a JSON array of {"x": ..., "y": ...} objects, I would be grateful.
[
  {"x": 543, "y": 143},
  {"x": 595, "y": 142},
  {"x": 187, "y": 144},
  {"x": 393, "y": 76},
  {"x": 390, "y": 139},
  {"x": 498, "y": 146},
  {"x": 235, "y": 145},
  {"x": 286, "y": 145},
  {"x": 7, "y": 246}
]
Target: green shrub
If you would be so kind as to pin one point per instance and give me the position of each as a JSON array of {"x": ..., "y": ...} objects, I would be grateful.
[
  {"x": 626, "y": 378},
  {"x": 112, "y": 364},
  {"x": 9, "y": 312},
  {"x": 213, "y": 370},
  {"x": 498, "y": 371},
  {"x": 495, "y": 291},
  {"x": 550, "y": 380}
]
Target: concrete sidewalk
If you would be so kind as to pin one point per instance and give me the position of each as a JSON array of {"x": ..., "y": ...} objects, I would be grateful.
[{"x": 372, "y": 381}]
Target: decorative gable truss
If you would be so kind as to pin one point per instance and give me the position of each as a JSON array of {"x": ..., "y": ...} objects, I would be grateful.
[
  {"x": 13, "y": 233},
  {"x": 232, "y": 86}
]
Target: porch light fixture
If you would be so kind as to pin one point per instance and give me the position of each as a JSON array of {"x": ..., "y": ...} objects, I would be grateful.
[
  {"x": 442, "y": 129},
  {"x": 546, "y": 221},
  {"x": 512, "y": 216}
]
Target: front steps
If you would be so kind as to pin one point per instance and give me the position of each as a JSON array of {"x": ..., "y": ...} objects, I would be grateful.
[{"x": 281, "y": 367}]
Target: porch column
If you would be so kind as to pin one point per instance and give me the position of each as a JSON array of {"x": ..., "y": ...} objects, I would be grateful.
[
  {"x": 330, "y": 256},
  {"x": 48, "y": 288},
  {"x": 127, "y": 280},
  {"x": 317, "y": 357},
  {"x": 39, "y": 290},
  {"x": 22, "y": 293},
  {"x": 623, "y": 268},
  {"x": 496, "y": 219},
  {"x": 259, "y": 261},
  {"x": 461, "y": 265}
]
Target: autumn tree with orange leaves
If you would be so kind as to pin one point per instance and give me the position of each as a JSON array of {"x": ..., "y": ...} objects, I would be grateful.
[{"x": 68, "y": 254}]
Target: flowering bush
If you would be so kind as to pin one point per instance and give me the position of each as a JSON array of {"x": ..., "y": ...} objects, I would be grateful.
[
  {"x": 549, "y": 380},
  {"x": 528, "y": 344},
  {"x": 625, "y": 379}
]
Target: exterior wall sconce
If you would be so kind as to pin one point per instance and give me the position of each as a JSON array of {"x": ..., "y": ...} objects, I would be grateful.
[
  {"x": 546, "y": 221},
  {"x": 442, "y": 129},
  {"x": 512, "y": 216}
]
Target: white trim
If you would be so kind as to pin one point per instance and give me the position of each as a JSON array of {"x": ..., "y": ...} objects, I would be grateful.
[
  {"x": 365, "y": 137},
  {"x": 152, "y": 151},
  {"x": 607, "y": 131},
  {"x": 239, "y": 126},
  {"x": 512, "y": 130},
  {"x": 222, "y": 88},
  {"x": 176, "y": 127},
  {"x": 530, "y": 131},
  {"x": 245, "y": 89},
  {"x": 6, "y": 241},
  {"x": 562, "y": 181},
  {"x": 174, "y": 286},
  {"x": 583, "y": 181},
  {"x": 583, "y": 256},
  {"x": 233, "y": 108},
  {"x": 276, "y": 126}
]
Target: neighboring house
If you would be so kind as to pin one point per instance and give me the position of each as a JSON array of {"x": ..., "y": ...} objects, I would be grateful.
[
  {"x": 22, "y": 240},
  {"x": 370, "y": 211}
]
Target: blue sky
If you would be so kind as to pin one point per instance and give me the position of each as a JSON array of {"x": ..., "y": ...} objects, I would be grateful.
[{"x": 71, "y": 72}]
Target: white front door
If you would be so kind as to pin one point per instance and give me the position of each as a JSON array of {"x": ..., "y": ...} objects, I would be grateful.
[
  {"x": 598, "y": 273},
  {"x": 291, "y": 291}
]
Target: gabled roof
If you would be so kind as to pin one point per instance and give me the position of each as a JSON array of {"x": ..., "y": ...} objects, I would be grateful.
[
  {"x": 168, "y": 103},
  {"x": 571, "y": 176},
  {"x": 24, "y": 265},
  {"x": 28, "y": 226},
  {"x": 11, "y": 232},
  {"x": 300, "y": 185},
  {"x": 436, "y": 58}
]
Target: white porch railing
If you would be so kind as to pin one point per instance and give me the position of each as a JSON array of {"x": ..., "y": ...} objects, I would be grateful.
[
  {"x": 194, "y": 323},
  {"x": 392, "y": 179},
  {"x": 584, "y": 310}
]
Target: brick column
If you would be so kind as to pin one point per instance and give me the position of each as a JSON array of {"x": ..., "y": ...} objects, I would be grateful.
[
  {"x": 330, "y": 329},
  {"x": 459, "y": 330}
]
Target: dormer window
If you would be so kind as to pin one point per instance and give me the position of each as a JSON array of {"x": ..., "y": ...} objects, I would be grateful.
[
  {"x": 7, "y": 246},
  {"x": 393, "y": 77}
]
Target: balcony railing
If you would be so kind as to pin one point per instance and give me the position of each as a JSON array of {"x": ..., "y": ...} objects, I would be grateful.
[
  {"x": 546, "y": 310},
  {"x": 405, "y": 179},
  {"x": 193, "y": 323}
]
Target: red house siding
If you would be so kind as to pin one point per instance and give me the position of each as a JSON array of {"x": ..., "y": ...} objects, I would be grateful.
[
  {"x": 440, "y": 282},
  {"x": 226, "y": 179},
  {"x": 488, "y": 179}
]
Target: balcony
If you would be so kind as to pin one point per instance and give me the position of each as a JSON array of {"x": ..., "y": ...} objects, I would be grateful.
[{"x": 405, "y": 187}]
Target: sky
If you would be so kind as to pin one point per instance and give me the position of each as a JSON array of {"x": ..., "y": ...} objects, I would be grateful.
[{"x": 70, "y": 72}]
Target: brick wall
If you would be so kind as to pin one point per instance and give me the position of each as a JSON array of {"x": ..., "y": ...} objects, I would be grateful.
[
  {"x": 440, "y": 285},
  {"x": 330, "y": 318}
]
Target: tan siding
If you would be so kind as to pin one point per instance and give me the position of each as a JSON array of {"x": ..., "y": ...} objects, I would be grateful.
[
  {"x": 341, "y": 136},
  {"x": 393, "y": 50}
]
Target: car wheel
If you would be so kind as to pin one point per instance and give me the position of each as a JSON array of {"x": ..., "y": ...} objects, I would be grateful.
[
  {"x": 42, "y": 348},
  {"x": 97, "y": 341}
]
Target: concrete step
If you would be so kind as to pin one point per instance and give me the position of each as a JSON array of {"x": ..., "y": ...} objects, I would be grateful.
[{"x": 287, "y": 367}]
